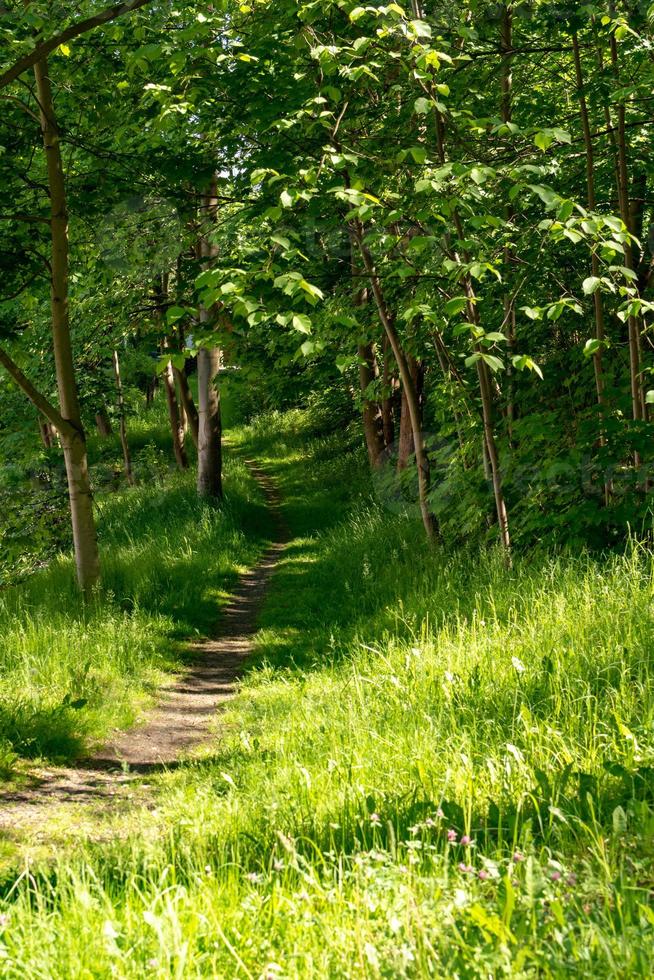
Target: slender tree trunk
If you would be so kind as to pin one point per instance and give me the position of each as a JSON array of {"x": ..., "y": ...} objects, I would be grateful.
[
  {"x": 73, "y": 438},
  {"x": 486, "y": 392},
  {"x": 506, "y": 40},
  {"x": 368, "y": 374},
  {"x": 209, "y": 425},
  {"x": 45, "y": 432},
  {"x": 186, "y": 398},
  {"x": 387, "y": 320},
  {"x": 405, "y": 447},
  {"x": 595, "y": 263},
  {"x": 127, "y": 456},
  {"x": 637, "y": 391},
  {"x": 209, "y": 363},
  {"x": 388, "y": 423},
  {"x": 103, "y": 424},
  {"x": 176, "y": 428}
]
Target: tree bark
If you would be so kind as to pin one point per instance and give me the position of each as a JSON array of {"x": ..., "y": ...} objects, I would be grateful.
[
  {"x": 405, "y": 448},
  {"x": 176, "y": 428},
  {"x": 388, "y": 423},
  {"x": 209, "y": 363},
  {"x": 639, "y": 408},
  {"x": 45, "y": 432},
  {"x": 387, "y": 320},
  {"x": 370, "y": 409},
  {"x": 127, "y": 456},
  {"x": 595, "y": 263},
  {"x": 186, "y": 398},
  {"x": 72, "y": 435},
  {"x": 103, "y": 424}
]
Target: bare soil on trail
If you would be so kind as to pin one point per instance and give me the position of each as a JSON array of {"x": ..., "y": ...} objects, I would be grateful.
[{"x": 183, "y": 718}]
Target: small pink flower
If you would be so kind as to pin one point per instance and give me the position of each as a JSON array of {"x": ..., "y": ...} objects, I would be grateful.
[
  {"x": 452, "y": 836},
  {"x": 375, "y": 819},
  {"x": 4, "y": 920},
  {"x": 518, "y": 857},
  {"x": 466, "y": 841},
  {"x": 466, "y": 869},
  {"x": 440, "y": 814},
  {"x": 555, "y": 876},
  {"x": 484, "y": 875}
]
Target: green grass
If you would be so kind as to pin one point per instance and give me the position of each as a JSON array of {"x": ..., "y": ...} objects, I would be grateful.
[
  {"x": 69, "y": 674},
  {"x": 397, "y": 695}
]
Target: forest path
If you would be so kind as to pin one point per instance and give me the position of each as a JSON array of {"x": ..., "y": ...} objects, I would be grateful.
[{"x": 183, "y": 718}]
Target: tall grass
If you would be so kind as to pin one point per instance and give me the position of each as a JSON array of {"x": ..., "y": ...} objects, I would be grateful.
[
  {"x": 69, "y": 673},
  {"x": 435, "y": 767}
]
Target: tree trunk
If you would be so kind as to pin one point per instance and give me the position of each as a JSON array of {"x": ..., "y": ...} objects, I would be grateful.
[
  {"x": 370, "y": 410},
  {"x": 595, "y": 263},
  {"x": 413, "y": 404},
  {"x": 209, "y": 425},
  {"x": 74, "y": 443},
  {"x": 45, "y": 432},
  {"x": 176, "y": 428},
  {"x": 127, "y": 456},
  {"x": 406, "y": 446},
  {"x": 186, "y": 398},
  {"x": 103, "y": 424},
  {"x": 506, "y": 41},
  {"x": 388, "y": 423},
  {"x": 209, "y": 363},
  {"x": 637, "y": 391},
  {"x": 368, "y": 372}
]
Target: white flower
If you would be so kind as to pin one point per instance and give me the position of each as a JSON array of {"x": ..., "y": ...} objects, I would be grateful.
[{"x": 518, "y": 665}]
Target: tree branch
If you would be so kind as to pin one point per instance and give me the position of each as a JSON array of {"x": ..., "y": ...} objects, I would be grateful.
[
  {"x": 45, "y": 48},
  {"x": 37, "y": 399}
]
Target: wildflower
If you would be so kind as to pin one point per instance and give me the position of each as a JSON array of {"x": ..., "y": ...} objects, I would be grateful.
[
  {"x": 483, "y": 875},
  {"x": 207, "y": 868},
  {"x": 153, "y": 963},
  {"x": 466, "y": 869},
  {"x": 278, "y": 865},
  {"x": 375, "y": 819},
  {"x": 253, "y": 877},
  {"x": 452, "y": 836},
  {"x": 555, "y": 876},
  {"x": 4, "y": 920},
  {"x": 440, "y": 814},
  {"x": 518, "y": 665},
  {"x": 466, "y": 841},
  {"x": 518, "y": 857},
  {"x": 430, "y": 822},
  {"x": 571, "y": 879}
]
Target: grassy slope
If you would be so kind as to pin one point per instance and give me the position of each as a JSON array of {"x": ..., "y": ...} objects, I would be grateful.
[{"x": 398, "y": 695}]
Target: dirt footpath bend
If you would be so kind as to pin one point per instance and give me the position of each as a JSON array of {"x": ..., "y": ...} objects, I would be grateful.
[{"x": 183, "y": 717}]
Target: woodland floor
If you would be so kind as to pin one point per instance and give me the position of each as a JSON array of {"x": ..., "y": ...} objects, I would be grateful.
[{"x": 184, "y": 716}]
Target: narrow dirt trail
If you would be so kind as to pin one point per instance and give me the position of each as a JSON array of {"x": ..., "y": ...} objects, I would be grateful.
[{"x": 183, "y": 718}]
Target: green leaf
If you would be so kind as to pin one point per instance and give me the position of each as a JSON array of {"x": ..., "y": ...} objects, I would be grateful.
[
  {"x": 591, "y": 285},
  {"x": 495, "y": 363},
  {"x": 455, "y": 306},
  {"x": 422, "y": 106},
  {"x": 175, "y": 313},
  {"x": 302, "y": 323},
  {"x": 544, "y": 140},
  {"x": 419, "y": 153}
]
